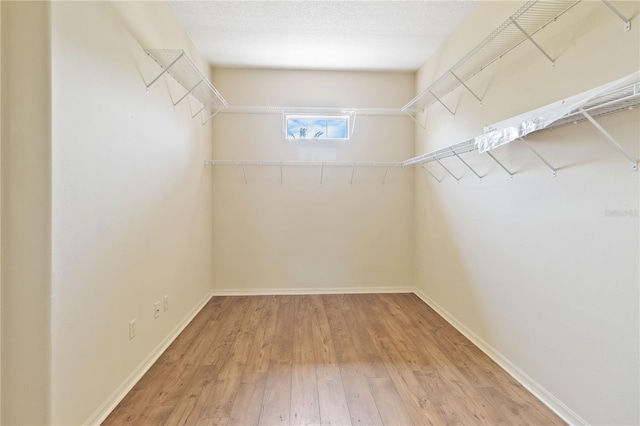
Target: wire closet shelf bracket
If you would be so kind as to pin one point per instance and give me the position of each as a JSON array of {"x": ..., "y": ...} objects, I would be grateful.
[
  {"x": 617, "y": 96},
  {"x": 178, "y": 65},
  {"x": 532, "y": 17}
]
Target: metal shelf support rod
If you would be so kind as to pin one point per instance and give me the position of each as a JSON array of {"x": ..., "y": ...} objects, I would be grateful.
[
  {"x": 429, "y": 171},
  {"x": 468, "y": 166},
  {"x": 448, "y": 171},
  {"x": 321, "y": 173},
  {"x": 213, "y": 114},
  {"x": 244, "y": 173},
  {"x": 165, "y": 70},
  {"x": 384, "y": 178},
  {"x": 353, "y": 170},
  {"x": 187, "y": 94},
  {"x": 442, "y": 103},
  {"x": 281, "y": 180},
  {"x": 353, "y": 122},
  {"x": 284, "y": 124},
  {"x": 528, "y": 145},
  {"x": 611, "y": 139},
  {"x": 627, "y": 23},
  {"x": 423, "y": 126},
  {"x": 553, "y": 63},
  {"x": 500, "y": 164},
  {"x": 199, "y": 111},
  {"x": 466, "y": 87}
]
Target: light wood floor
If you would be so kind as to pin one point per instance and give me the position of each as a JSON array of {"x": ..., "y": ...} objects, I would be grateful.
[{"x": 365, "y": 359}]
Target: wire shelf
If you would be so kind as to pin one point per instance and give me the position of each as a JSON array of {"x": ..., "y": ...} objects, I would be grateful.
[
  {"x": 532, "y": 17},
  {"x": 176, "y": 63},
  {"x": 621, "y": 95},
  {"x": 622, "y": 99},
  {"x": 457, "y": 149}
]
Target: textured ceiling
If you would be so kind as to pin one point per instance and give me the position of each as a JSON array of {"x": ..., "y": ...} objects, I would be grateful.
[{"x": 337, "y": 35}]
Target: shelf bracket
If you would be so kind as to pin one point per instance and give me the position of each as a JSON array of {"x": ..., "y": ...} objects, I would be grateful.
[
  {"x": 244, "y": 173},
  {"x": 468, "y": 166},
  {"x": 500, "y": 164},
  {"x": 429, "y": 171},
  {"x": 553, "y": 63},
  {"x": 422, "y": 125},
  {"x": 611, "y": 139},
  {"x": 353, "y": 170},
  {"x": 442, "y": 103},
  {"x": 447, "y": 170},
  {"x": 353, "y": 122},
  {"x": 187, "y": 94},
  {"x": 284, "y": 124},
  {"x": 627, "y": 23},
  {"x": 165, "y": 70},
  {"x": 384, "y": 178},
  {"x": 213, "y": 114},
  {"x": 199, "y": 111},
  {"x": 466, "y": 87},
  {"x": 528, "y": 145}
]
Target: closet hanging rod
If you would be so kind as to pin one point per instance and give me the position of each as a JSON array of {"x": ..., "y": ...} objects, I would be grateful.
[
  {"x": 303, "y": 163},
  {"x": 262, "y": 109}
]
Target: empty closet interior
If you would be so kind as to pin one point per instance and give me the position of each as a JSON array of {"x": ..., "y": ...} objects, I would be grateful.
[{"x": 498, "y": 181}]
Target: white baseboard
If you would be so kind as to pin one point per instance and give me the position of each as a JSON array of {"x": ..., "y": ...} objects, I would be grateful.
[
  {"x": 537, "y": 390},
  {"x": 118, "y": 395},
  {"x": 301, "y": 291}
]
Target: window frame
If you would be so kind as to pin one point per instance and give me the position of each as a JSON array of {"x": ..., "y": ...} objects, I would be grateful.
[{"x": 327, "y": 117}]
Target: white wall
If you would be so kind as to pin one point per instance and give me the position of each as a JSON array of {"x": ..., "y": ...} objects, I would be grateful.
[
  {"x": 302, "y": 235},
  {"x": 0, "y": 209},
  {"x": 106, "y": 204},
  {"x": 131, "y": 198},
  {"x": 26, "y": 204},
  {"x": 534, "y": 267}
]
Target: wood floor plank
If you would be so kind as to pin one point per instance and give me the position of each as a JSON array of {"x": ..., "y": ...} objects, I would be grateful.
[
  {"x": 323, "y": 347},
  {"x": 248, "y": 402},
  {"x": 368, "y": 355},
  {"x": 282, "y": 348},
  {"x": 276, "y": 403},
  {"x": 260, "y": 356},
  {"x": 362, "y": 407},
  {"x": 361, "y": 359},
  {"x": 332, "y": 401},
  {"x": 304, "y": 385},
  {"x": 230, "y": 368},
  {"x": 154, "y": 415},
  {"x": 193, "y": 401},
  {"x": 390, "y": 405},
  {"x": 304, "y": 396}
]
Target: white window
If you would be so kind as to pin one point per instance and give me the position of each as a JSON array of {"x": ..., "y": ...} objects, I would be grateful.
[{"x": 317, "y": 127}]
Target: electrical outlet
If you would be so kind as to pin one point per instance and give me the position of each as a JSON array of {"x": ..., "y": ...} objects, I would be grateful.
[
  {"x": 157, "y": 309},
  {"x": 132, "y": 329},
  {"x": 166, "y": 303}
]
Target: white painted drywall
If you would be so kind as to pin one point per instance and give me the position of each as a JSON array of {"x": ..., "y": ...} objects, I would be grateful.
[
  {"x": 131, "y": 212},
  {"x": 537, "y": 267},
  {"x": 304, "y": 235},
  {"x": 0, "y": 210},
  {"x": 26, "y": 198}
]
